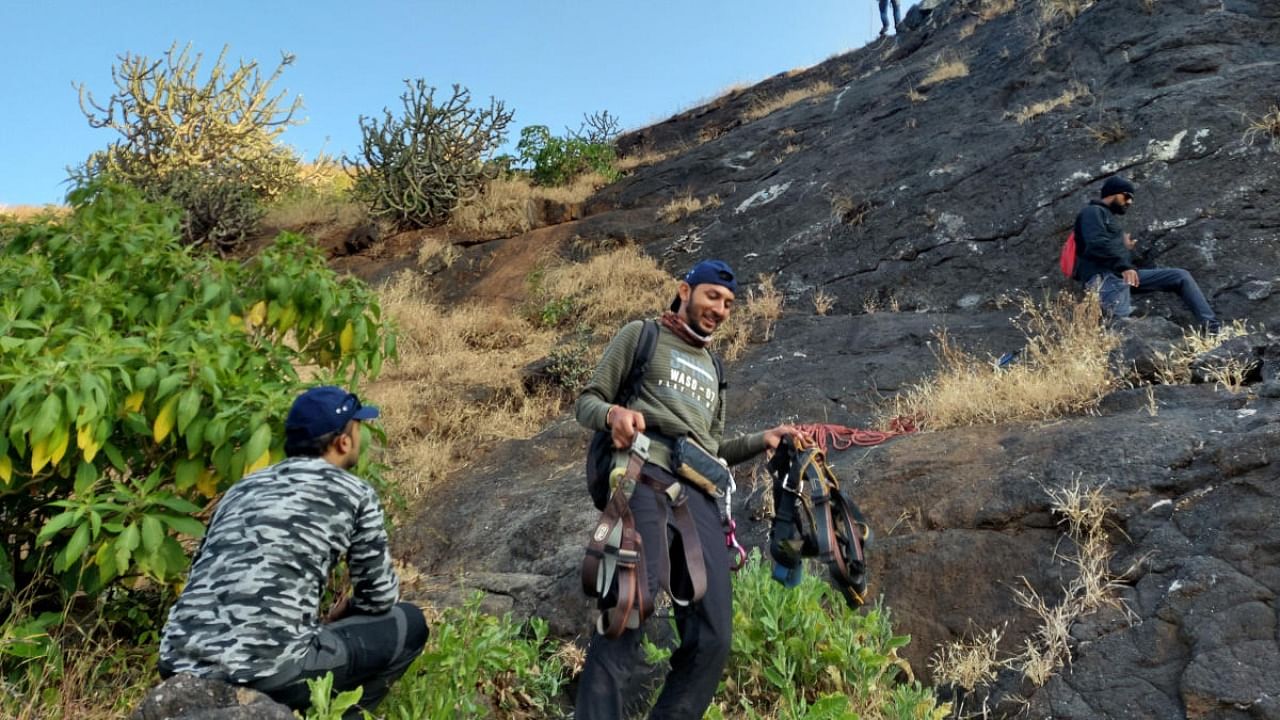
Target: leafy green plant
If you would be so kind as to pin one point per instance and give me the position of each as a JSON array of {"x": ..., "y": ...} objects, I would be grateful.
[
  {"x": 571, "y": 365},
  {"x": 558, "y": 160},
  {"x": 478, "y": 665},
  {"x": 220, "y": 207},
  {"x": 802, "y": 653},
  {"x": 325, "y": 705},
  {"x": 418, "y": 166},
  {"x": 139, "y": 379}
]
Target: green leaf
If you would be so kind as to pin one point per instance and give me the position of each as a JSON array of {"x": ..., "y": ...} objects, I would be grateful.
[
  {"x": 168, "y": 385},
  {"x": 184, "y": 525},
  {"x": 74, "y": 548},
  {"x": 57, "y": 524},
  {"x": 145, "y": 378},
  {"x": 152, "y": 533},
  {"x": 188, "y": 406},
  {"x": 49, "y": 415},
  {"x": 86, "y": 476},
  {"x": 186, "y": 472},
  {"x": 177, "y": 504},
  {"x": 113, "y": 454},
  {"x": 258, "y": 443}
]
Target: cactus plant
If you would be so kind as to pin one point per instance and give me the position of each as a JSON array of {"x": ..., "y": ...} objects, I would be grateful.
[{"x": 418, "y": 166}]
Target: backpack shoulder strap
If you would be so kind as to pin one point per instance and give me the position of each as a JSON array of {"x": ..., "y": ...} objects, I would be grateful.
[{"x": 645, "y": 346}]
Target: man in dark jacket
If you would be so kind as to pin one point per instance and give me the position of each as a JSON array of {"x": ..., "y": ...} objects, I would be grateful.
[
  {"x": 248, "y": 614},
  {"x": 679, "y": 395},
  {"x": 1105, "y": 264}
]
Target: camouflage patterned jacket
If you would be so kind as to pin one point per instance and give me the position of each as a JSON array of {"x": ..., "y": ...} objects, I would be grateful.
[{"x": 249, "y": 609}]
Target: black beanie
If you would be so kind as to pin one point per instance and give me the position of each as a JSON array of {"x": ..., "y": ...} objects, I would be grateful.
[{"x": 1116, "y": 185}]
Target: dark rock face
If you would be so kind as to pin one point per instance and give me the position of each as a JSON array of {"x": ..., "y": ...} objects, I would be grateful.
[
  {"x": 186, "y": 697},
  {"x": 929, "y": 202}
]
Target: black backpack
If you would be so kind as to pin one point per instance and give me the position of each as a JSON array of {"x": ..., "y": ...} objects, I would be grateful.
[{"x": 600, "y": 451}]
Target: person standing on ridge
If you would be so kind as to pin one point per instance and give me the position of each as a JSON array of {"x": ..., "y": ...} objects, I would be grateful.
[
  {"x": 249, "y": 614},
  {"x": 679, "y": 397},
  {"x": 1105, "y": 264},
  {"x": 884, "y": 16}
]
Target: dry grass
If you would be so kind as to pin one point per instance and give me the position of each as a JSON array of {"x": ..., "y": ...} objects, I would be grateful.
[
  {"x": 752, "y": 321},
  {"x": 916, "y": 96},
  {"x": 1052, "y": 11},
  {"x": 611, "y": 289},
  {"x": 1084, "y": 511},
  {"x": 310, "y": 208},
  {"x": 645, "y": 159},
  {"x": 686, "y": 205},
  {"x": 873, "y": 303},
  {"x": 437, "y": 251},
  {"x": 967, "y": 30},
  {"x": 974, "y": 662},
  {"x": 1063, "y": 370},
  {"x": 28, "y": 212},
  {"x": 969, "y": 662},
  {"x": 458, "y": 386},
  {"x": 1265, "y": 126},
  {"x": 992, "y": 9},
  {"x": 509, "y": 206},
  {"x": 1074, "y": 91},
  {"x": 946, "y": 66},
  {"x": 823, "y": 301},
  {"x": 1107, "y": 132},
  {"x": 771, "y": 105},
  {"x": 1173, "y": 367}
]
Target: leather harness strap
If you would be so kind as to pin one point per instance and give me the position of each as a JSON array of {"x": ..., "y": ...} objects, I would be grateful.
[
  {"x": 613, "y": 568},
  {"x": 814, "y": 518},
  {"x": 677, "y": 497}
]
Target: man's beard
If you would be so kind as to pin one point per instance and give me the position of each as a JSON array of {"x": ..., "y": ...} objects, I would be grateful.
[{"x": 1119, "y": 208}]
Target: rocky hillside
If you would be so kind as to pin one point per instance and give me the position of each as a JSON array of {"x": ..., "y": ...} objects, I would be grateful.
[{"x": 918, "y": 181}]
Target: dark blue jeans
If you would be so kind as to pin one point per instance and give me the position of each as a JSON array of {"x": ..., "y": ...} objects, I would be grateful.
[
  {"x": 1114, "y": 292},
  {"x": 884, "y": 14}
]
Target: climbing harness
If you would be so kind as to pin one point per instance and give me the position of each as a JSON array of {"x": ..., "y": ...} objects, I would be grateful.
[
  {"x": 814, "y": 518},
  {"x": 613, "y": 569}
]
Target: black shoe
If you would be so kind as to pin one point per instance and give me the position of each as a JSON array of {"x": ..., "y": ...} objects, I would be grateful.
[{"x": 884, "y": 31}]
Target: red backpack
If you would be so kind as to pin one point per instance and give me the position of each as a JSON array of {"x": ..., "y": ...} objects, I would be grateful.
[{"x": 1067, "y": 260}]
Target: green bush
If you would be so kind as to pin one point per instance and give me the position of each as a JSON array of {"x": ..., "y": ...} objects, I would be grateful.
[
  {"x": 478, "y": 665},
  {"x": 802, "y": 653},
  {"x": 417, "y": 167},
  {"x": 219, "y": 208},
  {"x": 139, "y": 379},
  {"x": 558, "y": 160}
]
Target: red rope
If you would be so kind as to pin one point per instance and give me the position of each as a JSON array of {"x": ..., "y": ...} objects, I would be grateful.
[{"x": 839, "y": 437}]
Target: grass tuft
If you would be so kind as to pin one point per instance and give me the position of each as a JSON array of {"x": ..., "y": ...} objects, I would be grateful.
[
  {"x": 969, "y": 662},
  {"x": 751, "y": 321},
  {"x": 509, "y": 206},
  {"x": 686, "y": 205},
  {"x": 1063, "y": 370},
  {"x": 1074, "y": 91},
  {"x": 770, "y": 105},
  {"x": 1265, "y": 126},
  {"x": 946, "y": 66}
]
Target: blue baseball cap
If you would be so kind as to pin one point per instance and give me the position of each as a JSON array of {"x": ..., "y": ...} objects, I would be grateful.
[
  {"x": 324, "y": 409},
  {"x": 715, "y": 272}
]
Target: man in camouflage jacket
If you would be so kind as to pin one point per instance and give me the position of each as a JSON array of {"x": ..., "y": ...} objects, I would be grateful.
[{"x": 249, "y": 614}]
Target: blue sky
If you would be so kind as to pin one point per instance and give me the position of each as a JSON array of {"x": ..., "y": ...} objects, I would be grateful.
[{"x": 549, "y": 60}]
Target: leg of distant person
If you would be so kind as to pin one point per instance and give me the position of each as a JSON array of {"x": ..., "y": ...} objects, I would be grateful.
[{"x": 1179, "y": 281}]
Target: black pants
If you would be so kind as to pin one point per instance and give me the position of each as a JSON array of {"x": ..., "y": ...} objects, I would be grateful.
[{"x": 704, "y": 627}]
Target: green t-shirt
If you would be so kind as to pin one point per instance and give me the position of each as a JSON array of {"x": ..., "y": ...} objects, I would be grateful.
[{"x": 679, "y": 395}]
